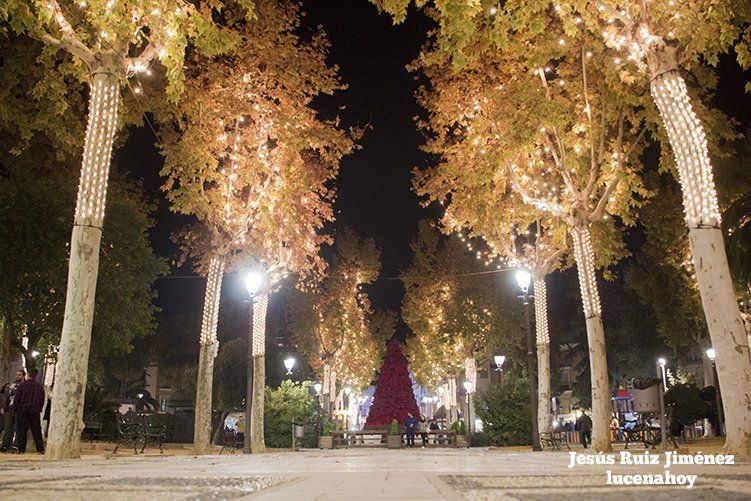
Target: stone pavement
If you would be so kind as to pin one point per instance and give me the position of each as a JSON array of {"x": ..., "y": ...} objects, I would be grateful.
[{"x": 354, "y": 474}]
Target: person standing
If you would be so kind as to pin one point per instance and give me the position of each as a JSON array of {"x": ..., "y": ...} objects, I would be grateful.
[
  {"x": 584, "y": 423},
  {"x": 28, "y": 404},
  {"x": 422, "y": 428},
  {"x": 9, "y": 416},
  {"x": 410, "y": 426}
]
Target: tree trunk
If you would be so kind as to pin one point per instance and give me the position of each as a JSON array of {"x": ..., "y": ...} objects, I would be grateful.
[
  {"x": 208, "y": 351},
  {"x": 67, "y": 403},
  {"x": 726, "y": 330},
  {"x": 727, "y": 334},
  {"x": 5, "y": 374},
  {"x": 257, "y": 441},
  {"x": 598, "y": 364},
  {"x": 453, "y": 414},
  {"x": 543, "y": 388},
  {"x": 543, "y": 355}
]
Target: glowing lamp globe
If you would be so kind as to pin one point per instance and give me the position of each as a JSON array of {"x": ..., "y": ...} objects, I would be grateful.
[
  {"x": 288, "y": 364},
  {"x": 523, "y": 279},
  {"x": 711, "y": 354},
  {"x": 253, "y": 282}
]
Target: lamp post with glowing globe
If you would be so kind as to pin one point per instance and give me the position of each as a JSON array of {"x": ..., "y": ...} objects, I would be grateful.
[
  {"x": 711, "y": 355},
  {"x": 523, "y": 279},
  {"x": 253, "y": 282}
]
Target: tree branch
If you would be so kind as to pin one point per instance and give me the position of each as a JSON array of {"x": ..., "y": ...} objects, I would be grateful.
[
  {"x": 537, "y": 202},
  {"x": 597, "y": 214},
  {"x": 613, "y": 12},
  {"x": 148, "y": 54},
  {"x": 69, "y": 41}
]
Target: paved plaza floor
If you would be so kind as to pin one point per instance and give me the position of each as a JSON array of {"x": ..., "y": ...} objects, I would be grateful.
[{"x": 358, "y": 475}]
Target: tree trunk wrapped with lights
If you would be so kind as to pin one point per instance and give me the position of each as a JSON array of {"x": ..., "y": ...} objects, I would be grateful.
[
  {"x": 598, "y": 364},
  {"x": 543, "y": 355},
  {"x": 260, "y": 305},
  {"x": 470, "y": 371},
  {"x": 64, "y": 437},
  {"x": 209, "y": 347},
  {"x": 726, "y": 330},
  {"x": 452, "y": 414}
]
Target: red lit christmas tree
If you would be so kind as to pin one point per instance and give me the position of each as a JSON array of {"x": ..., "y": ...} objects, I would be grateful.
[{"x": 393, "y": 397}]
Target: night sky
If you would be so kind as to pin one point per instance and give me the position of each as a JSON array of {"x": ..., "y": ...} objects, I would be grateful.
[{"x": 374, "y": 195}]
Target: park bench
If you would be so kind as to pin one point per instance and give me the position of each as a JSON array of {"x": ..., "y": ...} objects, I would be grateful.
[
  {"x": 128, "y": 430},
  {"x": 154, "y": 434},
  {"x": 132, "y": 429},
  {"x": 232, "y": 441},
  {"x": 377, "y": 438},
  {"x": 554, "y": 440},
  {"x": 92, "y": 430}
]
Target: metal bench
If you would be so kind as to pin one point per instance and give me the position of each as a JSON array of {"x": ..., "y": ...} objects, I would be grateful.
[
  {"x": 232, "y": 441},
  {"x": 128, "y": 429},
  {"x": 92, "y": 430},
  {"x": 554, "y": 440}
]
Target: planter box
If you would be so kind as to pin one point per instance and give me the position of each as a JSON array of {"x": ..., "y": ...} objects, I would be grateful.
[
  {"x": 394, "y": 441},
  {"x": 326, "y": 442},
  {"x": 462, "y": 441}
]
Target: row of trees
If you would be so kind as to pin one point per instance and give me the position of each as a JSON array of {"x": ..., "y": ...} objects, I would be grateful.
[
  {"x": 245, "y": 154},
  {"x": 334, "y": 326},
  {"x": 539, "y": 113}
]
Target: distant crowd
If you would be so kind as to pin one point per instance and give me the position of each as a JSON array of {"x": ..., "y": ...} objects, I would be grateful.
[{"x": 21, "y": 404}]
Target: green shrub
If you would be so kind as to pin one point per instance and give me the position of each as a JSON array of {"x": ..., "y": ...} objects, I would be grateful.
[
  {"x": 166, "y": 420},
  {"x": 290, "y": 403},
  {"x": 394, "y": 429},
  {"x": 328, "y": 426},
  {"x": 687, "y": 404},
  {"x": 479, "y": 439},
  {"x": 505, "y": 413}
]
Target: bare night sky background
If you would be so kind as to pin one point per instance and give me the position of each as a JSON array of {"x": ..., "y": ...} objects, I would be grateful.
[{"x": 374, "y": 196}]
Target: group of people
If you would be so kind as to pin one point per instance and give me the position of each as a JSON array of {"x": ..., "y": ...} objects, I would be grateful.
[
  {"x": 583, "y": 425},
  {"x": 414, "y": 426},
  {"x": 21, "y": 404}
]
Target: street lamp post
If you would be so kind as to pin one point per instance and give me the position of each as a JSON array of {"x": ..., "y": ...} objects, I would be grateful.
[
  {"x": 718, "y": 398},
  {"x": 523, "y": 279},
  {"x": 317, "y": 387},
  {"x": 253, "y": 281},
  {"x": 664, "y": 439},
  {"x": 470, "y": 419}
]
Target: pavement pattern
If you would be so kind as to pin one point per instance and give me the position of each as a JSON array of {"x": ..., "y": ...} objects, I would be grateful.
[{"x": 435, "y": 474}]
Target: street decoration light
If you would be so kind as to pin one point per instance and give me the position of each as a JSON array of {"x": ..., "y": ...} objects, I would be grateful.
[
  {"x": 288, "y": 364},
  {"x": 712, "y": 355}
]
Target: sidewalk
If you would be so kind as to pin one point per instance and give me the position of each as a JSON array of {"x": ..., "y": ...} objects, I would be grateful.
[{"x": 351, "y": 474}]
